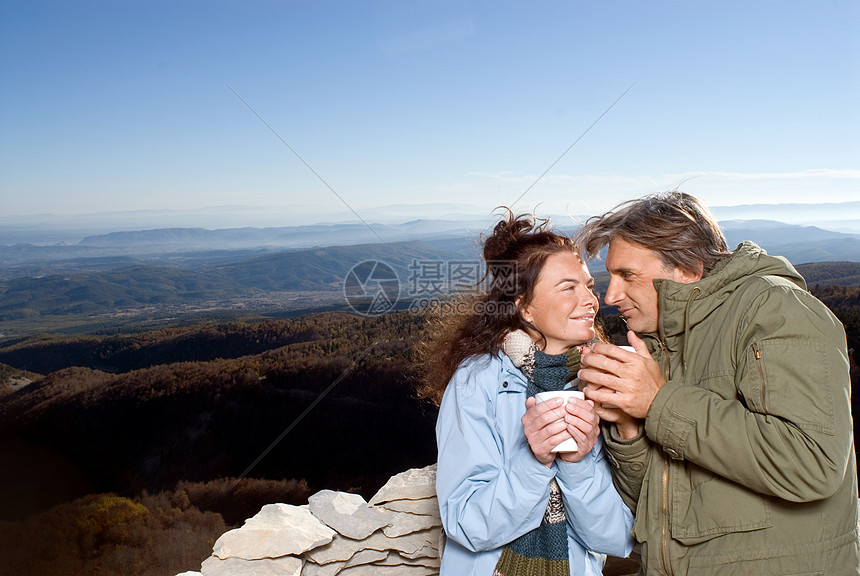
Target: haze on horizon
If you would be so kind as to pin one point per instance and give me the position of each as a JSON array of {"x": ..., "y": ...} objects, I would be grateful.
[{"x": 316, "y": 111}]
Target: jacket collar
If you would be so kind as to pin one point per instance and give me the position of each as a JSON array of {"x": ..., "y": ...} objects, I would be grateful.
[
  {"x": 510, "y": 377},
  {"x": 682, "y": 306}
]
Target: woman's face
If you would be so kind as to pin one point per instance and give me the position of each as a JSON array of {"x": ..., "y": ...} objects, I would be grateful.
[{"x": 563, "y": 305}]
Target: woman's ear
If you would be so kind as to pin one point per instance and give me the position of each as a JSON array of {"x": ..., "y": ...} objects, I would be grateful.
[{"x": 524, "y": 312}]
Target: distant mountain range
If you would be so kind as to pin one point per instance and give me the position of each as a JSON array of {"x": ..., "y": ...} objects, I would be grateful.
[
  {"x": 262, "y": 282},
  {"x": 183, "y": 247},
  {"x": 275, "y": 284},
  {"x": 103, "y": 279},
  {"x": 839, "y": 217},
  {"x": 387, "y": 221},
  {"x": 800, "y": 244},
  {"x": 780, "y": 237},
  {"x": 184, "y": 239}
]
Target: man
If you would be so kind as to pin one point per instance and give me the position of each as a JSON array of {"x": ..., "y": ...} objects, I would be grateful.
[{"x": 730, "y": 428}]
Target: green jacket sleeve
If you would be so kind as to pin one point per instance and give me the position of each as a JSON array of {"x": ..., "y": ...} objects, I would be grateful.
[
  {"x": 787, "y": 431},
  {"x": 629, "y": 460}
]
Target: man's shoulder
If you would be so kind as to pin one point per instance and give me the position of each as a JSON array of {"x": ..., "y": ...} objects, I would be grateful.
[
  {"x": 755, "y": 284},
  {"x": 774, "y": 294}
]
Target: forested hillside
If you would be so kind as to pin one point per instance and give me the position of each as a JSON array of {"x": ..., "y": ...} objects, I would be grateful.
[
  {"x": 141, "y": 441},
  {"x": 149, "y": 428},
  {"x": 221, "y": 420}
]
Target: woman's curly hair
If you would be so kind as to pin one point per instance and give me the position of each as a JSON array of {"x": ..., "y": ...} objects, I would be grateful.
[{"x": 514, "y": 255}]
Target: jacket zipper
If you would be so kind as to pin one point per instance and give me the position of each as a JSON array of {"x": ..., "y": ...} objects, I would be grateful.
[
  {"x": 665, "y": 513},
  {"x": 761, "y": 373},
  {"x": 667, "y": 567}
]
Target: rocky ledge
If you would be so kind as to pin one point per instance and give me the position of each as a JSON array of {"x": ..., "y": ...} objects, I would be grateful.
[{"x": 398, "y": 532}]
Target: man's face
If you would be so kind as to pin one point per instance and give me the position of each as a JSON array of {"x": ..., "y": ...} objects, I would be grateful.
[{"x": 632, "y": 270}]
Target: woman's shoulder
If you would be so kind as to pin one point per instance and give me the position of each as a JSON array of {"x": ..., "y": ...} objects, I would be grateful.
[
  {"x": 479, "y": 361},
  {"x": 487, "y": 362},
  {"x": 483, "y": 379},
  {"x": 488, "y": 370}
]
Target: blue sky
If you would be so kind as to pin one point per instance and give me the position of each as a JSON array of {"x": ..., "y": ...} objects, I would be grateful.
[{"x": 111, "y": 106}]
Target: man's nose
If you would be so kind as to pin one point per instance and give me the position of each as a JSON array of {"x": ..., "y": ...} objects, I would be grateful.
[{"x": 614, "y": 294}]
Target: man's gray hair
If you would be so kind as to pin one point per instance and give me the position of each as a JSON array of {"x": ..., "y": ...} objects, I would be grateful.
[{"x": 673, "y": 224}]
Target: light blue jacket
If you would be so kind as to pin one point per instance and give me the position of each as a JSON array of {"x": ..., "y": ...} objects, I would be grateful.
[{"x": 492, "y": 490}]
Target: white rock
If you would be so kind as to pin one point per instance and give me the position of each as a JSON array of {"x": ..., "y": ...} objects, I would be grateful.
[
  {"x": 413, "y": 484},
  {"x": 330, "y": 569},
  {"x": 333, "y": 568},
  {"x": 347, "y": 513},
  {"x": 286, "y": 566},
  {"x": 402, "y": 570},
  {"x": 404, "y": 523},
  {"x": 277, "y": 530},
  {"x": 423, "y": 506},
  {"x": 342, "y": 549},
  {"x": 344, "y": 502},
  {"x": 192, "y": 573},
  {"x": 395, "y": 559},
  {"x": 427, "y": 551},
  {"x": 367, "y": 557}
]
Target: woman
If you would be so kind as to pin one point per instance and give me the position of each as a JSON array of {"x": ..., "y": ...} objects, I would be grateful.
[{"x": 509, "y": 505}]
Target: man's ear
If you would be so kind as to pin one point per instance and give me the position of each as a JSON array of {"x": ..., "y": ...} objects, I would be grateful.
[{"x": 685, "y": 276}]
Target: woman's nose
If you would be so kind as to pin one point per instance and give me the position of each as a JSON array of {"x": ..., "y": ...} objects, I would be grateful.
[{"x": 591, "y": 298}]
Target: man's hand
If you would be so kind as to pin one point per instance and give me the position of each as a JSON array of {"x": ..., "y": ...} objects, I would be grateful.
[{"x": 620, "y": 378}]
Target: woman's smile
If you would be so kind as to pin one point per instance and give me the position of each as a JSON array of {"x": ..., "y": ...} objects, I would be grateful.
[{"x": 563, "y": 305}]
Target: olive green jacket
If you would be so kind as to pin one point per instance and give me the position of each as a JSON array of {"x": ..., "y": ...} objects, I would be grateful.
[{"x": 746, "y": 463}]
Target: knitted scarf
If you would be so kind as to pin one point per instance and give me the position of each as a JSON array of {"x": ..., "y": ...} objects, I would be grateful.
[{"x": 543, "y": 551}]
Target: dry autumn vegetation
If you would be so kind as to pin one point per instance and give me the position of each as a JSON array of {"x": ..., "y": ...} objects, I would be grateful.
[
  {"x": 180, "y": 415},
  {"x": 132, "y": 453},
  {"x": 164, "y": 533}
]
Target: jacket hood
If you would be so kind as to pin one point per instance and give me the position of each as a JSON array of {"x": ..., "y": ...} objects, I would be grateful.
[{"x": 684, "y": 305}]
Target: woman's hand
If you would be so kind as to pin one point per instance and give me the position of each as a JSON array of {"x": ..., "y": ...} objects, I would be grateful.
[
  {"x": 583, "y": 425},
  {"x": 548, "y": 424},
  {"x": 545, "y": 428}
]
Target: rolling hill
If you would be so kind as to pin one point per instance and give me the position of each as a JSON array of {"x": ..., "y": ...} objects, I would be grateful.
[
  {"x": 168, "y": 291},
  {"x": 109, "y": 281}
]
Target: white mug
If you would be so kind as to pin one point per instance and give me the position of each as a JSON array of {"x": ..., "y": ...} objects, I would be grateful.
[
  {"x": 629, "y": 349},
  {"x": 568, "y": 445}
]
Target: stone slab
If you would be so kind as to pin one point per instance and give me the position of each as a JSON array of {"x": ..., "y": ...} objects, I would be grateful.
[
  {"x": 395, "y": 559},
  {"x": 334, "y": 568},
  {"x": 277, "y": 530},
  {"x": 413, "y": 484},
  {"x": 376, "y": 570},
  {"x": 342, "y": 549},
  {"x": 423, "y": 506},
  {"x": 348, "y": 514},
  {"x": 402, "y": 523},
  {"x": 286, "y": 566},
  {"x": 331, "y": 569},
  {"x": 426, "y": 551}
]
